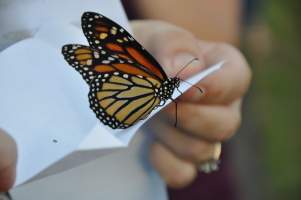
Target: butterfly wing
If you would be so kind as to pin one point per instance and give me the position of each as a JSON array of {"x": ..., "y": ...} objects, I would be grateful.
[
  {"x": 119, "y": 100},
  {"x": 123, "y": 77},
  {"x": 82, "y": 59},
  {"x": 110, "y": 38},
  {"x": 89, "y": 62}
]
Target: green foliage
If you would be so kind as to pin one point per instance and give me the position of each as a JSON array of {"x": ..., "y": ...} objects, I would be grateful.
[{"x": 277, "y": 99}]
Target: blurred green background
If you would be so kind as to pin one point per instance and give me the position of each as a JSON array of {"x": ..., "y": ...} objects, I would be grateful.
[{"x": 272, "y": 45}]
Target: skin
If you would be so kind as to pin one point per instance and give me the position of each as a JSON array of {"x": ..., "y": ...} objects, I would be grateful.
[
  {"x": 8, "y": 155},
  {"x": 205, "y": 119}
]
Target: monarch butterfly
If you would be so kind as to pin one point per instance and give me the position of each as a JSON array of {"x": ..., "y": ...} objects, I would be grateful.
[{"x": 126, "y": 82}]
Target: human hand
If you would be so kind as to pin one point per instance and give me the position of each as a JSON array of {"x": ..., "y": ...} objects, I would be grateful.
[
  {"x": 8, "y": 158},
  {"x": 204, "y": 119}
]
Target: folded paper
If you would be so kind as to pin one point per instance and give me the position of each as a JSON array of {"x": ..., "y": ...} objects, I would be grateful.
[{"x": 44, "y": 106}]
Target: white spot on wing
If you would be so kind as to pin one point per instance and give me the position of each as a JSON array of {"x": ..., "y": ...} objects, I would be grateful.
[
  {"x": 96, "y": 54},
  {"x": 89, "y": 62}
]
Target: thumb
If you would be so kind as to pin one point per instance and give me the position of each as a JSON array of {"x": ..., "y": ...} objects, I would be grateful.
[
  {"x": 171, "y": 45},
  {"x": 184, "y": 65},
  {"x": 177, "y": 59}
]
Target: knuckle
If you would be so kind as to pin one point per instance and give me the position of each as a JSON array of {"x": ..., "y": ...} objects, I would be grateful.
[{"x": 197, "y": 152}]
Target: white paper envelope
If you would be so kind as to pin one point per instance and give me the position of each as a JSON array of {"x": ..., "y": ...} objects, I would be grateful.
[{"x": 45, "y": 108}]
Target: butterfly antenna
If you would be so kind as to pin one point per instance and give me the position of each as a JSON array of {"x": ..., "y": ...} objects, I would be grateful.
[{"x": 185, "y": 66}]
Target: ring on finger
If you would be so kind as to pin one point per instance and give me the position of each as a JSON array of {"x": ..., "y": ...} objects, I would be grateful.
[{"x": 212, "y": 164}]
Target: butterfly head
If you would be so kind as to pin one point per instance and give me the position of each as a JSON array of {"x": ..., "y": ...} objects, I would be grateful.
[{"x": 167, "y": 88}]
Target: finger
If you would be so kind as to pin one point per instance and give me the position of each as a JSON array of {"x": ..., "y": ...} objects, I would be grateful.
[
  {"x": 173, "y": 47},
  {"x": 175, "y": 172},
  {"x": 183, "y": 145},
  {"x": 213, "y": 123},
  {"x": 226, "y": 84},
  {"x": 8, "y": 155},
  {"x": 177, "y": 53},
  {"x": 7, "y": 178}
]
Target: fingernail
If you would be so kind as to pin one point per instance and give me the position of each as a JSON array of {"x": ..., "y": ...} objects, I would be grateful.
[{"x": 180, "y": 60}]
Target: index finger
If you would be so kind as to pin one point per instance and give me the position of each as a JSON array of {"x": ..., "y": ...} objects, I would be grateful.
[{"x": 228, "y": 83}]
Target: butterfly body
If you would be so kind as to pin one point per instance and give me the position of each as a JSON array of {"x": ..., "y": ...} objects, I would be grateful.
[
  {"x": 167, "y": 88},
  {"x": 126, "y": 82}
]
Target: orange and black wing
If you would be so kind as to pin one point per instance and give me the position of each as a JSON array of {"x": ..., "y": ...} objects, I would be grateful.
[
  {"x": 89, "y": 62},
  {"x": 120, "y": 100},
  {"x": 124, "y": 78},
  {"x": 82, "y": 59},
  {"x": 109, "y": 38}
]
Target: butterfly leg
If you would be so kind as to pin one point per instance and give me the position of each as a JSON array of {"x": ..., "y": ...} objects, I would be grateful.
[
  {"x": 176, "y": 104},
  {"x": 176, "y": 112},
  {"x": 179, "y": 91}
]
